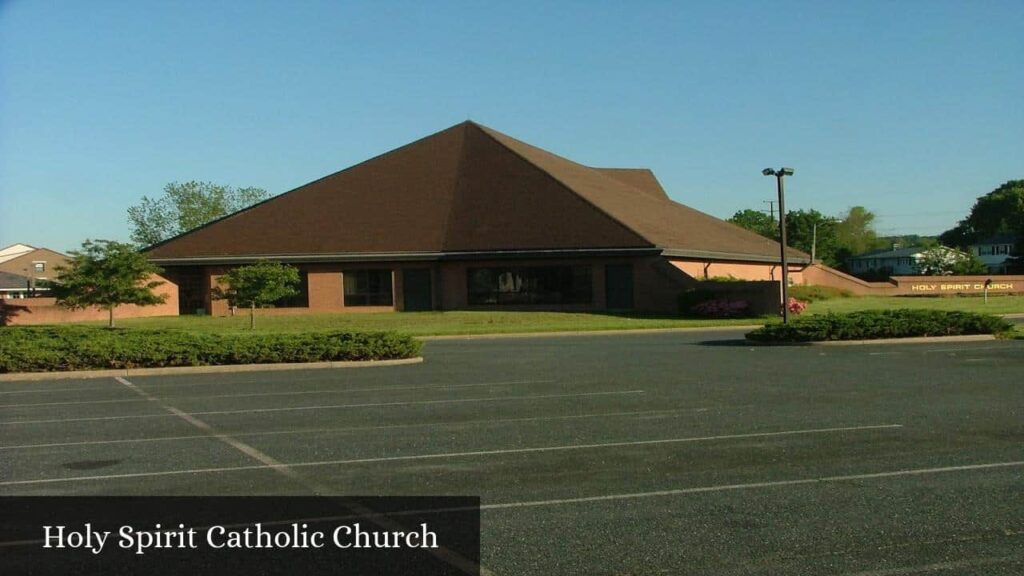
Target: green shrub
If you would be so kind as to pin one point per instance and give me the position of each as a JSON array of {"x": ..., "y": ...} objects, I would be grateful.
[
  {"x": 817, "y": 293},
  {"x": 874, "y": 324},
  {"x": 46, "y": 348}
]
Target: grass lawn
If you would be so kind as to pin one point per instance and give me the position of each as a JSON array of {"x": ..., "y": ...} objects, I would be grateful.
[
  {"x": 460, "y": 322},
  {"x": 996, "y": 304},
  {"x": 430, "y": 323}
]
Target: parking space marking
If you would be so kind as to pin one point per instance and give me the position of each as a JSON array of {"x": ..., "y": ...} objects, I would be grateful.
[
  {"x": 329, "y": 407},
  {"x": 289, "y": 393},
  {"x": 751, "y": 485},
  {"x": 394, "y": 426},
  {"x": 453, "y": 558},
  {"x": 442, "y": 455}
]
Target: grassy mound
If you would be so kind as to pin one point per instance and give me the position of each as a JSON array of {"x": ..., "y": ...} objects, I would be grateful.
[
  {"x": 817, "y": 293},
  {"x": 875, "y": 324},
  {"x": 55, "y": 348}
]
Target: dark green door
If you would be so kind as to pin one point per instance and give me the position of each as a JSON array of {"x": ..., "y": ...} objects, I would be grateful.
[
  {"x": 416, "y": 289},
  {"x": 618, "y": 286}
]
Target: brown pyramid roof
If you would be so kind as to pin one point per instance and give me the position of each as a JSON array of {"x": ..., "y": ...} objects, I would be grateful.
[{"x": 467, "y": 189}]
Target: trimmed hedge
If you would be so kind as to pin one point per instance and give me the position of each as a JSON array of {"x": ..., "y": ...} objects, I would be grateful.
[
  {"x": 55, "y": 348},
  {"x": 875, "y": 324}
]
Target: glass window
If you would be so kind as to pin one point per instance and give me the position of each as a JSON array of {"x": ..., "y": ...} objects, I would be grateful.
[
  {"x": 530, "y": 285},
  {"x": 39, "y": 266},
  {"x": 301, "y": 298},
  {"x": 368, "y": 288}
]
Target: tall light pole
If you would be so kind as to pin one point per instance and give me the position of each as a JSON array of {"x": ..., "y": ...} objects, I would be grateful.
[{"x": 779, "y": 175}]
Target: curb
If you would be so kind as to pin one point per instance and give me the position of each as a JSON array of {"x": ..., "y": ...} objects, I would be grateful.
[
  {"x": 886, "y": 341},
  {"x": 563, "y": 334},
  {"x": 178, "y": 370}
]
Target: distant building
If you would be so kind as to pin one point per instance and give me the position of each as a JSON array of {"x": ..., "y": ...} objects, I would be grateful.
[
  {"x": 892, "y": 262},
  {"x": 14, "y": 285},
  {"x": 25, "y": 268},
  {"x": 994, "y": 251}
]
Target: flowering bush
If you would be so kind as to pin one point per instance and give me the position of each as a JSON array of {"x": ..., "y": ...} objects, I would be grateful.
[
  {"x": 722, "y": 308},
  {"x": 795, "y": 306}
]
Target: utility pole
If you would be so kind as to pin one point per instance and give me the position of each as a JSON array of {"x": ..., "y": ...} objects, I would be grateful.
[
  {"x": 814, "y": 241},
  {"x": 771, "y": 207},
  {"x": 779, "y": 175}
]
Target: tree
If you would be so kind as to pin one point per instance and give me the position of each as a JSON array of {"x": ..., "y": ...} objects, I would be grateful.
[
  {"x": 187, "y": 206},
  {"x": 942, "y": 261},
  {"x": 855, "y": 233},
  {"x": 756, "y": 221},
  {"x": 106, "y": 274},
  {"x": 807, "y": 229},
  {"x": 999, "y": 211},
  {"x": 257, "y": 285}
]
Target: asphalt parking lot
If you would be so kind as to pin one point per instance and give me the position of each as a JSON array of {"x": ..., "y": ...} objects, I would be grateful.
[{"x": 670, "y": 453}]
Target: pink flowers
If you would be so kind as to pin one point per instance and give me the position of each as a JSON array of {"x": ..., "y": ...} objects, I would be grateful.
[{"x": 795, "y": 306}]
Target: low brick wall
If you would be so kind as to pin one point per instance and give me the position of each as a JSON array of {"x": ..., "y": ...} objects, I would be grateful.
[
  {"x": 32, "y": 311},
  {"x": 764, "y": 296},
  {"x": 820, "y": 275},
  {"x": 953, "y": 285}
]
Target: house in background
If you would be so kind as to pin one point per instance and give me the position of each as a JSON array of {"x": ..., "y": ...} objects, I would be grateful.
[
  {"x": 470, "y": 218},
  {"x": 894, "y": 261},
  {"x": 14, "y": 286},
  {"x": 33, "y": 265},
  {"x": 995, "y": 250}
]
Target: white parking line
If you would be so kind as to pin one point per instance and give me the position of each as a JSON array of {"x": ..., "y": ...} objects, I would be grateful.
[
  {"x": 465, "y": 565},
  {"x": 436, "y": 456},
  {"x": 748, "y": 486},
  {"x": 289, "y": 393},
  {"x": 219, "y": 384},
  {"x": 392, "y": 426},
  {"x": 328, "y": 407}
]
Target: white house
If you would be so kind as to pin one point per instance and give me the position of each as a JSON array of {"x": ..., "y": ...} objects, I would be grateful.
[
  {"x": 994, "y": 251},
  {"x": 896, "y": 261}
]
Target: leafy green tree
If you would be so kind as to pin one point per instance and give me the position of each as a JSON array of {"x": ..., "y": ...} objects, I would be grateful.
[
  {"x": 257, "y": 285},
  {"x": 186, "y": 206},
  {"x": 942, "y": 261},
  {"x": 810, "y": 229},
  {"x": 999, "y": 211},
  {"x": 756, "y": 221},
  {"x": 855, "y": 233},
  {"x": 106, "y": 274}
]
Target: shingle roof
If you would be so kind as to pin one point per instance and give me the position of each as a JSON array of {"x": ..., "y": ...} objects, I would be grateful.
[
  {"x": 464, "y": 189},
  {"x": 10, "y": 281},
  {"x": 897, "y": 253}
]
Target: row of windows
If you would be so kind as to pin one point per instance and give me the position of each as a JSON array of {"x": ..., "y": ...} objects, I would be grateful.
[
  {"x": 530, "y": 285},
  {"x": 995, "y": 250},
  {"x": 492, "y": 285}
]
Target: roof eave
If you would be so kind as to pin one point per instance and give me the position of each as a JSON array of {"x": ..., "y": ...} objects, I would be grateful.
[
  {"x": 731, "y": 256},
  {"x": 344, "y": 257}
]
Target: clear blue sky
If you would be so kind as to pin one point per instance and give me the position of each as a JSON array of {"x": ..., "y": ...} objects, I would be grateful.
[{"x": 911, "y": 108}]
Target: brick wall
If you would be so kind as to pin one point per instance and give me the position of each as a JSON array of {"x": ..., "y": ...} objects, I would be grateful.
[{"x": 31, "y": 311}]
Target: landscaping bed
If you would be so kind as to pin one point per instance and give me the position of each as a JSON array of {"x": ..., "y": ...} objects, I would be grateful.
[
  {"x": 60, "y": 348},
  {"x": 878, "y": 324}
]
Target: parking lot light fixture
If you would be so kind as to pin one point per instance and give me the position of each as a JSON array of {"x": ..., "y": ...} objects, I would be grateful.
[{"x": 779, "y": 175}]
